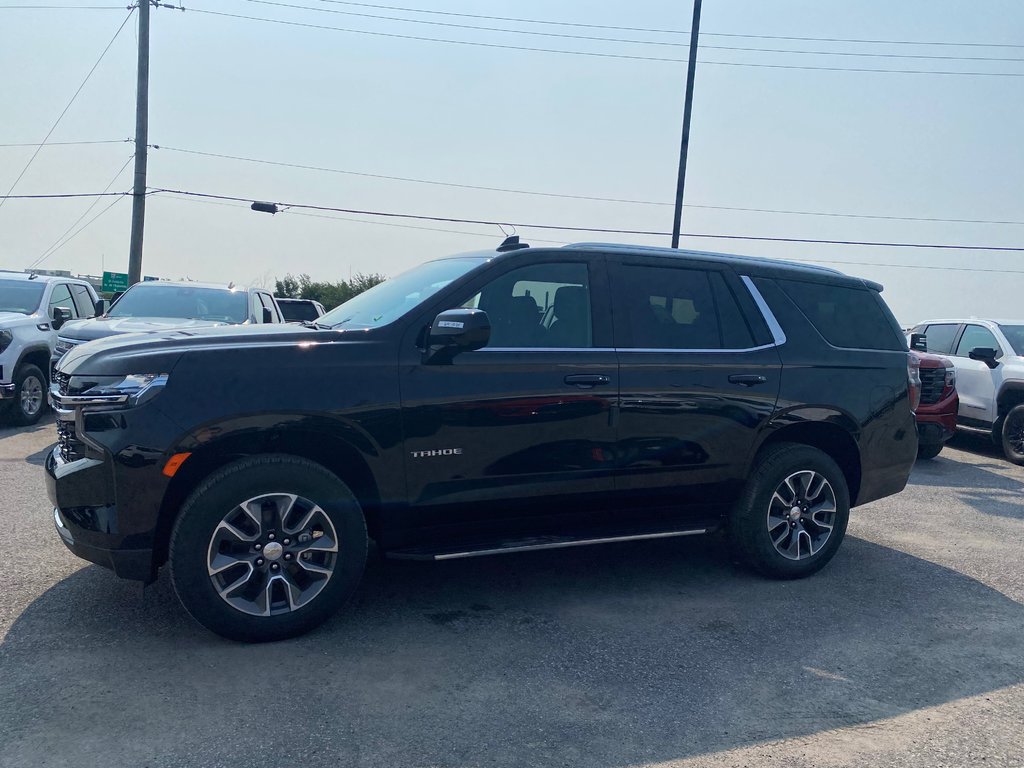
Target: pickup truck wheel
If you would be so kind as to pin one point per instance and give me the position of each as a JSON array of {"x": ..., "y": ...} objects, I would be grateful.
[
  {"x": 267, "y": 548},
  {"x": 792, "y": 514},
  {"x": 29, "y": 395},
  {"x": 1012, "y": 435},
  {"x": 929, "y": 450}
]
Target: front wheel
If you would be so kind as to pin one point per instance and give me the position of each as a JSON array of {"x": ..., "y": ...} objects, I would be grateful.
[
  {"x": 267, "y": 548},
  {"x": 29, "y": 395},
  {"x": 1012, "y": 434},
  {"x": 792, "y": 514},
  {"x": 929, "y": 450}
]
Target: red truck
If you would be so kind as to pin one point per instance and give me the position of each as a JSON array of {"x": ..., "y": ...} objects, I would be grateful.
[{"x": 936, "y": 414}]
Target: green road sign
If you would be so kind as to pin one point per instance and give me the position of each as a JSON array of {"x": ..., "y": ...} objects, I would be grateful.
[{"x": 115, "y": 281}]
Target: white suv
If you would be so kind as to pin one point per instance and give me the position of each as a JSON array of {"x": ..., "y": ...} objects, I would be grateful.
[
  {"x": 32, "y": 308},
  {"x": 989, "y": 360}
]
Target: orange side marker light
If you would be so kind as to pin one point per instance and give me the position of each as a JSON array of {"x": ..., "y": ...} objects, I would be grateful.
[{"x": 174, "y": 463}]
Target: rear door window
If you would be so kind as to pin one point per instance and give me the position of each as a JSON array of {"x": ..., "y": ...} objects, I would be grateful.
[
  {"x": 846, "y": 316},
  {"x": 940, "y": 337},
  {"x": 678, "y": 308}
]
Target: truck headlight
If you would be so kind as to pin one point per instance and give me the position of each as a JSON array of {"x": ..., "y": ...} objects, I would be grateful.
[
  {"x": 112, "y": 391},
  {"x": 6, "y": 337}
]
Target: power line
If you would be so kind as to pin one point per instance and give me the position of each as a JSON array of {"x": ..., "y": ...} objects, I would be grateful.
[
  {"x": 79, "y": 231},
  {"x": 63, "y": 195},
  {"x": 600, "y": 230},
  {"x": 475, "y": 27},
  {"x": 659, "y": 30},
  {"x": 62, "y": 7},
  {"x": 57, "y": 244},
  {"x": 66, "y": 143},
  {"x": 65, "y": 110},
  {"x": 596, "y": 54},
  {"x": 565, "y": 196}
]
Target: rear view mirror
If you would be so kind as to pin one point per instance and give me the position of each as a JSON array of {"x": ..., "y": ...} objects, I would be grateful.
[
  {"x": 919, "y": 342},
  {"x": 455, "y": 331},
  {"x": 60, "y": 316},
  {"x": 101, "y": 307},
  {"x": 987, "y": 355}
]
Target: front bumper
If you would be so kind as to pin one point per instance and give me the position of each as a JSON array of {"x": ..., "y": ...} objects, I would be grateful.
[
  {"x": 92, "y": 530},
  {"x": 7, "y": 391}
]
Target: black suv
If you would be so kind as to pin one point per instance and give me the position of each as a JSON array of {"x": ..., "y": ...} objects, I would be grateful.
[{"x": 487, "y": 403}]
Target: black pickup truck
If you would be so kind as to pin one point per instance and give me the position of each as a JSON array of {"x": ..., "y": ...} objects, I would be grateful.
[{"x": 487, "y": 403}]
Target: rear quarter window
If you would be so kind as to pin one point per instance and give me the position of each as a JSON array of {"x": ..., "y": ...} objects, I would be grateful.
[{"x": 846, "y": 316}]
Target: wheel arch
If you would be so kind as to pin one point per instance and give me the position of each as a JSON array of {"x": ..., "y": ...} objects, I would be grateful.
[
  {"x": 832, "y": 438},
  {"x": 338, "y": 455},
  {"x": 1010, "y": 396},
  {"x": 38, "y": 356}
]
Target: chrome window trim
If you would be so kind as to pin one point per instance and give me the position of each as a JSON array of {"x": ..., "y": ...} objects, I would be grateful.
[{"x": 769, "y": 317}]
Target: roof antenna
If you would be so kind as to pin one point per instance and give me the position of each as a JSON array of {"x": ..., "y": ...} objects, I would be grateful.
[{"x": 511, "y": 241}]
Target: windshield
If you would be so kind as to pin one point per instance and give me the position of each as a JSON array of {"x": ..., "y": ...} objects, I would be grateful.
[
  {"x": 216, "y": 304},
  {"x": 20, "y": 296},
  {"x": 1015, "y": 335},
  {"x": 393, "y": 298}
]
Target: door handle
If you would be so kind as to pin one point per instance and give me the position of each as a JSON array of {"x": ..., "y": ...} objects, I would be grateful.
[
  {"x": 587, "y": 380},
  {"x": 748, "y": 379}
]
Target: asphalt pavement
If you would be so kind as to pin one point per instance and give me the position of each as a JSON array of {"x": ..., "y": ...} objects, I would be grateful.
[{"x": 907, "y": 650}]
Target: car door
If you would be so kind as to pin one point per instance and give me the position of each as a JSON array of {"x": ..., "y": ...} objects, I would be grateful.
[
  {"x": 526, "y": 421},
  {"x": 699, "y": 376},
  {"x": 976, "y": 383}
]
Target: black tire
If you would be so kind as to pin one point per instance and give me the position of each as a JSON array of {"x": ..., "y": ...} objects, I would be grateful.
[
  {"x": 750, "y": 518},
  {"x": 194, "y": 531},
  {"x": 28, "y": 377},
  {"x": 1012, "y": 435},
  {"x": 929, "y": 450}
]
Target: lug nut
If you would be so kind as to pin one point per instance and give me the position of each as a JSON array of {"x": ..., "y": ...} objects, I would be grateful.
[
  {"x": 257, "y": 547},
  {"x": 288, "y": 556},
  {"x": 286, "y": 542},
  {"x": 270, "y": 536},
  {"x": 274, "y": 566},
  {"x": 259, "y": 561}
]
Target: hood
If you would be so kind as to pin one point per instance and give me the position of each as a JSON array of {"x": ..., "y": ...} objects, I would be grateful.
[
  {"x": 101, "y": 327},
  {"x": 8, "y": 319},
  {"x": 158, "y": 351}
]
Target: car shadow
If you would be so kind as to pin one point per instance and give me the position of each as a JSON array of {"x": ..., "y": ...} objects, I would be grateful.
[
  {"x": 977, "y": 485},
  {"x": 606, "y": 656},
  {"x": 979, "y": 443}
]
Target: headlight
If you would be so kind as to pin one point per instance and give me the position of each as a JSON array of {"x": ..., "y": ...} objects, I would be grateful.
[
  {"x": 64, "y": 346},
  {"x": 950, "y": 381},
  {"x": 112, "y": 391},
  {"x": 6, "y": 337}
]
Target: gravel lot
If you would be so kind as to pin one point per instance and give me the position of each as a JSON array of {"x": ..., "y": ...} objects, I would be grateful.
[{"x": 908, "y": 650}]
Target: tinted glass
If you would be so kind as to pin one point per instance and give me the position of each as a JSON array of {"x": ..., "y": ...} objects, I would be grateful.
[
  {"x": 669, "y": 308},
  {"x": 84, "y": 301},
  {"x": 846, "y": 316},
  {"x": 298, "y": 311},
  {"x": 388, "y": 301},
  {"x": 540, "y": 306},
  {"x": 20, "y": 296},
  {"x": 183, "y": 301},
  {"x": 940, "y": 337},
  {"x": 61, "y": 297},
  {"x": 975, "y": 336},
  {"x": 1015, "y": 335}
]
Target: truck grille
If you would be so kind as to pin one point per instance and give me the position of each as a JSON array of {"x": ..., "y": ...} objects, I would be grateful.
[
  {"x": 68, "y": 444},
  {"x": 933, "y": 381}
]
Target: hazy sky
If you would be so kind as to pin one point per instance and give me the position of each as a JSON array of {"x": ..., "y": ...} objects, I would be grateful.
[{"x": 902, "y": 145}]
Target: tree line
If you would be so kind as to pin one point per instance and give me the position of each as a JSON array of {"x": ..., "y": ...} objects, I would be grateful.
[{"x": 327, "y": 293}]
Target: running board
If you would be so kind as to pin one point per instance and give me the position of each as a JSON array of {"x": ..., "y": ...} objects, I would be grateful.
[{"x": 532, "y": 544}]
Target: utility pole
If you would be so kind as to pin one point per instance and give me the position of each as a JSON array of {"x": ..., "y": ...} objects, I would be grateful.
[
  {"x": 687, "y": 109},
  {"x": 141, "y": 148}
]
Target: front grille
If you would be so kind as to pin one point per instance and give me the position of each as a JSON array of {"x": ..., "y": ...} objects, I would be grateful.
[
  {"x": 68, "y": 444},
  {"x": 933, "y": 381}
]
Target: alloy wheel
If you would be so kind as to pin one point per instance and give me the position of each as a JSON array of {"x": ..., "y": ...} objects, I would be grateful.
[
  {"x": 272, "y": 554},
  {"x": 1014, "y": 430},
  {"x": 31, "y": 395},
  {"x": 801, "y": 515}
]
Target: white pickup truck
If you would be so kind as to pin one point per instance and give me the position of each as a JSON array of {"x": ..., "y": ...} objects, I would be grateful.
[
  {"x": 32, "y": 308},
  {"x": 989, "y": 360}
]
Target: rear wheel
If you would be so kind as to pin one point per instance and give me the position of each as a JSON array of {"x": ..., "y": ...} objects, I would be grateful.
[
  {"x": 1012, "y": 434},
  {"x": 792, "y": 515},
  {"x": 929, "y": 450},
  {"x": 29, "y": 395},
  {"x": 267, "y": 548}
]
